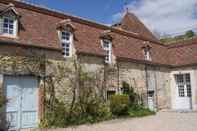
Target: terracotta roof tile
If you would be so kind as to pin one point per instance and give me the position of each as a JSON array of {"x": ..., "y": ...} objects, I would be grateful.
[
  {"x": 131, "y": 23},
  {"x": 39, "y": 27}
]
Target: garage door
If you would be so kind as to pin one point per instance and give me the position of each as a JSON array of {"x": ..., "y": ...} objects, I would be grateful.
[{"x": 22, "y": 106}]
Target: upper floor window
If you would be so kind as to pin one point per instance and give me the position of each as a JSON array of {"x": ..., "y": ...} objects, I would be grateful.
[
  {"x": 146, "y": 51},
  {"x": 67, "y": 42},
  {"x": 107, "y": 46},
  {"x": 8, "y": 26},
  {"x": 147, "y": 54}
]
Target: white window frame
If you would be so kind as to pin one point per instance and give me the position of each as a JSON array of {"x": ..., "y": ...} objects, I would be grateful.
[
  {"x": 109, "y": 49},
  {"x": 64, "y": 41},
  {"x": 15, "y": 26},
  {"x": 147, "y": 55},
  {"x": 185, "y": 91}
]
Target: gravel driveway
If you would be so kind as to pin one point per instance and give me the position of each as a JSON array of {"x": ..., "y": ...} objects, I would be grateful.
[{"x": 163, "y": 121}]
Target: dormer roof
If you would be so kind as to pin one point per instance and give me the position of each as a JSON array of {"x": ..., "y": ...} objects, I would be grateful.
[
  {"x": 8, "y": 8},
  {"x": 66, "y": 25}
]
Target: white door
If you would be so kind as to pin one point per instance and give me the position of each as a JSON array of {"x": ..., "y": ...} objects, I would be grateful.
[
  {"x": 22, "y": 104},
  {"x": 183, "y": 92},
  {"x": 151, "y": 104}
]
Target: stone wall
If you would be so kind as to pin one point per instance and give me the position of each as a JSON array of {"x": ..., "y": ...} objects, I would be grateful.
[
  {"x": 132, "y": 73},
  {"x": 163, "y": 89},
  {"x": 135, "y": 75}
]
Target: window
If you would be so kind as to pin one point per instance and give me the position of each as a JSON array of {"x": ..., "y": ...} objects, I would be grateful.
[
  {"x": 9, "y": 26},
  {"x": 184, "y": 85},
  {"x": 67, "y": 42},
  {"x": 147, "y": 54},
  {"x": 110, "y": 93},
  {"x": 107, "y": 46}
]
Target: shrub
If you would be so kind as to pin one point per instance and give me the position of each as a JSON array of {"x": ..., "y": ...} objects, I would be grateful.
[
  {"x": 94, "y": 112},
  {"x": 91, "y": 112},
  {"x": 54, "y": 117},
  {"x": 119, "y": 104},
  {"x": 2, "y": 101},
  {"x": 4, "y": 125},
  {"x": 128, "y": 90}
]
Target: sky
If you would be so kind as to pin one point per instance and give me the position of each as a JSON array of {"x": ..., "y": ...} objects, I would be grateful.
[{"x": 162, "y": 16}]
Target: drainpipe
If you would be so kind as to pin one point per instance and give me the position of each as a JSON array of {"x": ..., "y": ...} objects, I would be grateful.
[
  {"x": 146, "y": 79},
  {"x": 156, "y": 95},
  {"x": 118, "y": 68}
]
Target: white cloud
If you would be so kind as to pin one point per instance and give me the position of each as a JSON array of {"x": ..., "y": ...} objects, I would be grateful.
[{"x": 164, "y": 16}]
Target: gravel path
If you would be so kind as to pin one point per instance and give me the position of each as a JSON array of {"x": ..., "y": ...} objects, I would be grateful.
[{"x": 163, "y": 121}]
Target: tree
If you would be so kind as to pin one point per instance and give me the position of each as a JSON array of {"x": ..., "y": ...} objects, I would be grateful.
[{"x": 189, "y": 34}]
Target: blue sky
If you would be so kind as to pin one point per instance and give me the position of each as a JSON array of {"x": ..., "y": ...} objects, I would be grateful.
[
  {"x": 98, "y": 10},
  {"x": 162, "y": 16}
]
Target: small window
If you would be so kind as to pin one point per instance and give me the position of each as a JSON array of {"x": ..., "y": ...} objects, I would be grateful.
[
  {"x": 147, "y": 54},
  {"x": 107, "y": 46},
  {"x": 9, "y": 26},
  {"x": 67, "y": 42}
]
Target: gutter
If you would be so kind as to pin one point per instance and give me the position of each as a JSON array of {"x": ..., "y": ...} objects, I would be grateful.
[{"x": 15, "y": 43}]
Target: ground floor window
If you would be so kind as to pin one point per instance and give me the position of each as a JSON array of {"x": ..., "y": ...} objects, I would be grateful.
[{"x": 183, "y": 82}]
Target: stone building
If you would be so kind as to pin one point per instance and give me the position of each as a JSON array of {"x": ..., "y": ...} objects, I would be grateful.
[{"x": 164, "y": 75}]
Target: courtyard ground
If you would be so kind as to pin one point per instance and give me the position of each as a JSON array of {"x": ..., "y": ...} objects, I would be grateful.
[{"x": 163, "y": 121}]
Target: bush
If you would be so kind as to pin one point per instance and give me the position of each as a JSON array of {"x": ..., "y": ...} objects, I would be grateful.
[
  {"x": 134, "y": 98},
  {"x": 4, "y": 125},
  {"x": 95, "y": 112},
  {"x": 119, "y": 104},
  {"x": 54, "y": 117},
  {"x": 91, "y": 112}
]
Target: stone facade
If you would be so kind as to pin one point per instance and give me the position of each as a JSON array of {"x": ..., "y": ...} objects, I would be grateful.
[{"x": 132, "y": 73}]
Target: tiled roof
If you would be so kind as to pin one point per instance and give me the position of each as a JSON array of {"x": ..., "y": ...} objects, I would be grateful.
[
  {"x": 183, "y": 52},
  {"x": 38, "y": 27},
  {"x": 131, "y": 23}
]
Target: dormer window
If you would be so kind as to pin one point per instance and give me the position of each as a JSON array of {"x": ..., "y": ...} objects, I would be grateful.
[
  {"x": 9, "y": 21},
  {"x": 8, "y": 26},
  {"x": 67, "y": 42},
  {"x": 66, "y": 32},
  {"x": 147, "y": 53},
  {"x": 107, "y": 46}
]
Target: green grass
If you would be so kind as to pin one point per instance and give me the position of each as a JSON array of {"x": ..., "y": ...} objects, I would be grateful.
[{"x": 140, "y": 112}]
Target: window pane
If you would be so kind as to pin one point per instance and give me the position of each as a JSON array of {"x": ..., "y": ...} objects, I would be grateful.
[
  {"x": 179, "y": 79},
  {"x": 106, "y": 44},
  {"x": 66, "y": 47},
  {"x": 6, "y": 20},
  {"x": 5, "y": 25},
  {"x": 187, "y": 77},
  {"x": 181, "y": 90},
  {"x": 11, "y": 26},
  {"x": 5, "y": 30},
  {"x": 189, "y": 92},
  {"x": 66, "y": 36},
  {"x": 11, "y": 21},
  {"x": 8, "y": 26},
  {"x": 11, "y": 32}
]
